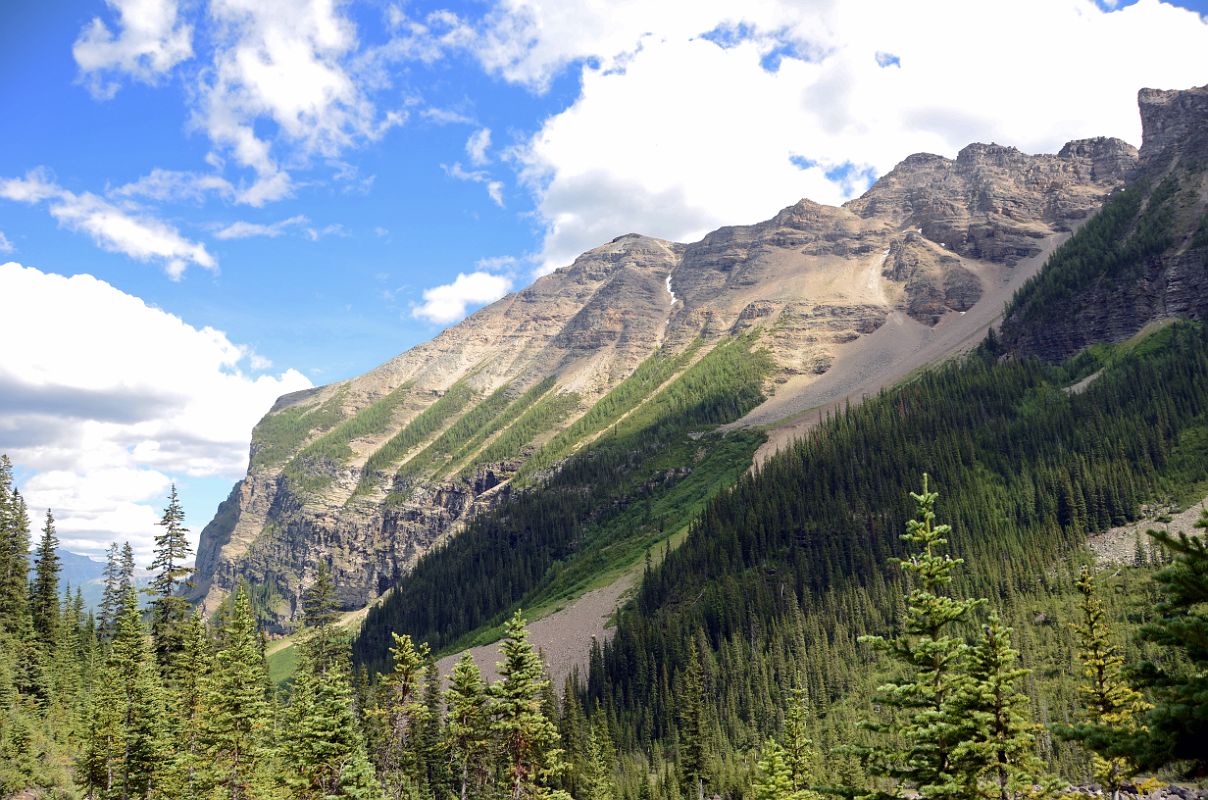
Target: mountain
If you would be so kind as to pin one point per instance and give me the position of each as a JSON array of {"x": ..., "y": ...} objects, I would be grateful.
[
  {"x": 1146, "y": 256},
  {"x": 828, "y": 303}
]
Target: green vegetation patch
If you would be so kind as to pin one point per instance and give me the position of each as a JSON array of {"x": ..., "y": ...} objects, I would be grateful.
[
  {"x": 278, "y": 435},
  {"x": 538, "y": 418},
  {"x": 649, "y": 376},
  {"x": 426, "y": 423}
]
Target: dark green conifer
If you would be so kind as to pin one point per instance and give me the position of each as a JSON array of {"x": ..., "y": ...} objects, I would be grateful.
[
  {"x": 467, "y": 732},
  {"x": 1112, "y": 709},
  {"x": 528, "y": 740},
  {"x": 170, "y": 611},
  {"x": 928, "y": 723},
  {"x": 44, "y": 594}
]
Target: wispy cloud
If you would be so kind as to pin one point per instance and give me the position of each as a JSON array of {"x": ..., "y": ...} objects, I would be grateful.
[
  {"x": 115, "y": 229},
  {"x": 494, "y": 187},
  {"x": 5, "y": 245},
  {"x": 248, "y": 230},
  {"x": 476, "y": 146},
  {"x": 176, "y": 186}
]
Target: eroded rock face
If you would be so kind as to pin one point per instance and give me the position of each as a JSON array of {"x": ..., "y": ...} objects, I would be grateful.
[
  {"x": 1122, "y": 298},
  {"x": 812, "y": 279}
]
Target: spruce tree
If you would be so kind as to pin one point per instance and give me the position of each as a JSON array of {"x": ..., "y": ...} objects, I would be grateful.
[
  {"x": 528, "y": 739},
  {"x": 398, "y": 720},
  {"x": 126, "y": 743},
  {"x": 14, "y": 565},
  {"x": 1178, "y": 723},
  {"x": 799, "y": 751},
  {"x": 998, "y": 760},
  {"x": 437, "y": 765},
  {"x": 929, "y": 725},
  {"x": 322, "y": 748},
  {"x": 111, "y": 598},
  {"x": 44, "y": 594},
  {"x": 467, "y": 733},
  {"x": 126, "y": 569},
  {"x": 237, "y": 726},
  {"x": 694, "y": 741},
  {"x": 1112, "y": 709},
  {"x": 169, "y": 610},
  {"x": 319, "y": 615},
  {"x": 599, "y": 774},
  {"x": 774, "y": 776},
  {"x": 188, "y": 770}
]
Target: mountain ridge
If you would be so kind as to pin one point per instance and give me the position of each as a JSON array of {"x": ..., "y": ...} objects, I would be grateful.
[{"x": 917, "y": 249}]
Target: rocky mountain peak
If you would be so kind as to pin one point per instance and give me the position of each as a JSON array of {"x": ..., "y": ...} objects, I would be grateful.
[{"x": 1173, "y": 120}]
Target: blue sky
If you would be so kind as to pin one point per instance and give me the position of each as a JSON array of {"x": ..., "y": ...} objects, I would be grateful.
[{"x": 292, "y": 195}]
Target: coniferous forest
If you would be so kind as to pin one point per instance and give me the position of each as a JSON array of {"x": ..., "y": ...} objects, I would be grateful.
[{"x": 822, "y": 630}]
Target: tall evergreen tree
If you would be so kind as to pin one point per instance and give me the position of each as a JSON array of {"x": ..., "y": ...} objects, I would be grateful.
[
  {"x": 997, "y": 760},
  {"x": 188, "y": 769},
  {"x": 14, "y": 563},
  {"x": 237, "y": 725},
  {"x": 398, "y": 720},
  {"x": 1178, "y": 723},
  {"x": 1112, "y": 709},
  {"x": 111, "y": 597},
  {"x": 799, "y": 751},
  {"x": 467, "y": 733},
  {"x": 528, "y": 739},
  {"x": 126, "y": 744},
  {"x": 44, "y": 594},
  {"x": 774, "y": 777},
  {"x": 322, "y": 748},
  {"x": 929, "y": 725},
  {"x": 694, "y": 740},
  {"x": 319, "y": 615},
  {"x": 169, "y": 610},
  {"x": 126, "y": 571}
]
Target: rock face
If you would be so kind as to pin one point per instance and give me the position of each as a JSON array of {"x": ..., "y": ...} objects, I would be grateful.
[
  {"x": 371, "y": 473},
  {"x": 1157, "y": 266}
]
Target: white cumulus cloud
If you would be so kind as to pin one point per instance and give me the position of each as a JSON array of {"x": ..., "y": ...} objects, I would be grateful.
[
  {"x": 696, "y": 115},
  {"x": 150, "y": 40},
  {"x": 118, "y": 230},
  {"x": 106, "y": 400},
  {"x": 450, "y": 302}
]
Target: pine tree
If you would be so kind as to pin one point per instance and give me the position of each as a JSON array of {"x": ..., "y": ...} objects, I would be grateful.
[
  {"x": 799, "y": 752},
  {"x": 930, "y": 725},
  {"x": 437, "y": 766},
  {"x": 188, "y": 772},
  {"x": 237, "y": 727},
  {"x": 319, "y": 609},
  {"x": 169, "y": 611},
  {"x": 126, "y": 570},
  {"x": 998, "y": 760},
  {"x": 399, "y": 717},
  {"x": 44, "y": 594},
  {"x": 1112, "y": 708},
  {"x": 111, "y": 599},
  {"x": 322, "y": 748},
  {"x": 126, "y": 743},
  {"x": 774, "y": 780},
  {"x": 599, "y": 777},
  {"x": 694, "y": 741},
  {"x": 467, "y": 733},
  {"x": 527, "y": 738},
  {"x": 14, "y": 563},
  {"x": 1178, "y": 723}
]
